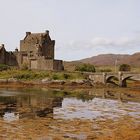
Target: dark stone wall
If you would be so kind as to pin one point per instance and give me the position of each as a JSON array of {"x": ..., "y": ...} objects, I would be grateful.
[
  {"x": 7, "y": 58},
  {"x": 58, "y": 65},
  {"x": 11, "y": 59},
  {"x": 2, "y": 56}
]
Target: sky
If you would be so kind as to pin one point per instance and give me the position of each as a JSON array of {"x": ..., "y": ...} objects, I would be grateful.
[{"x": 81, "y": 28}]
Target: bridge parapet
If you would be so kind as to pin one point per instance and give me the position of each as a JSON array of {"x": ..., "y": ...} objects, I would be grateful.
[{"x": 120, "y": 76}]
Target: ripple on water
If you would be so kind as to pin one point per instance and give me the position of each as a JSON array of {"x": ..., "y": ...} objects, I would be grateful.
[{"x": 96, "y": 109}]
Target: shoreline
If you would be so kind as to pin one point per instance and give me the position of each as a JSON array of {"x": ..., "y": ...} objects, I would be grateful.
[
  {"x": 38, "y": 84},
  {"x": 61, "y": 84}
]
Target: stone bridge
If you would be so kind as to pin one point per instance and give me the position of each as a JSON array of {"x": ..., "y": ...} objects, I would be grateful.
[{"x": 121, "y": 77}]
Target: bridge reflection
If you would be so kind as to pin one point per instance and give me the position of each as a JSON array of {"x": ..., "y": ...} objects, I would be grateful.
[
  {"x": 114, "y": 95},
  {"x": 30, "y": 105}
]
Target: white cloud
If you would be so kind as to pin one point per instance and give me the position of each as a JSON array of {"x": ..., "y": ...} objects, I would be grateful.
[
  {"x": 98, "y": 41},
  {"x": 101, "y": 42},
  {"x": 82, "y": 49}
]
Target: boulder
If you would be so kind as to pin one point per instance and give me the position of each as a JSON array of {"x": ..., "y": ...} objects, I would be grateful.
[
  {"x": 46, "y": 80},
  {"x": 12, "y": 80},
  {"x": 3, "y": 80}
]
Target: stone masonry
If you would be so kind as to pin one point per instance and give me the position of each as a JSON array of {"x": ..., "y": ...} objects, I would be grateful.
[
  {"x": 36, "y": 52},
  {"x": 7, "y": 58}
]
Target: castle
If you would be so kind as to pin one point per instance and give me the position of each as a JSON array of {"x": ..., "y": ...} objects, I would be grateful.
[{"x": 36, "y": 52}]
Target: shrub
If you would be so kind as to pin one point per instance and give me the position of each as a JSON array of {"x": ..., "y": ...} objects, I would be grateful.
[
  {"x": 66, "y": 76},
  {"x": 124, "y": 67},
  {"x": 24, "y": 66},
  {"x": 55, "y": 77},
  {"x": 105, "y": 70},
  {"x": 4, "y": 67},
  {"x": 85, "y": 67}
]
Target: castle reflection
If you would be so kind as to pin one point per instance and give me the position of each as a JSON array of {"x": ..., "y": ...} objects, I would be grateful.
[
  {"x": 15, "y": 105},
  {"x": 28, "y": 106}
]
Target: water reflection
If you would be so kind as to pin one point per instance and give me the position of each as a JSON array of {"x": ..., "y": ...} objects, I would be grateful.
[
  {"x": 27, "y": 106},
  {"x": 96, "y": 108},
  {"x": 10, "y": 116},
  {"x": 15, "y": 105}
]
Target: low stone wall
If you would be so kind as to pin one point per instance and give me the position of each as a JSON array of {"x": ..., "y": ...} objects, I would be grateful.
[
  {"x": 47, "y": 64},
  {"x": 58, "y": 65},
  {"x": 97, "y": 78},
  {"x": 44, "y": 64}
]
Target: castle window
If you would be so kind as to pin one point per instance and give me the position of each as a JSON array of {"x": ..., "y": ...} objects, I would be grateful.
[{"x": 31, "y": 53}]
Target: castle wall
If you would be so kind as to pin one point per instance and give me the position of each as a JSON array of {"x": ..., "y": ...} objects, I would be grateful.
[
  {"x": 18, "y": 58},
  {"x": 38, "y": 42},
  {"x": 22, "y": 58},
  {"x": 48, "y": 50},
  {"x": 36, "y": 51},
  {"x": 58, "y": 65},
  {"x": 28, "y": 46},
  {"x": 45, "y": 64},
  {"x": 11, "y": 59},
  {"x": 7, "y": 58},
  {"x": 2, "y": 56}
]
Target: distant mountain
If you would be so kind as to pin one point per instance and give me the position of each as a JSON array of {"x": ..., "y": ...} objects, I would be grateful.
[
  {"x": 106, "y": 60},
  {"x": 110, "y": 59}
]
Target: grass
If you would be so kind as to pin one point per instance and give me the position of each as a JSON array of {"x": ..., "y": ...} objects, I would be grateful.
[
  {"x": 38, "y": 75},
  {"x": 64, "y": 75},
  {"x": 112, "y": 69}
]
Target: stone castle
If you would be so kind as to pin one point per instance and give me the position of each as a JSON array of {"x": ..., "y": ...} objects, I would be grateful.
[{"x": 36, "y": 52}]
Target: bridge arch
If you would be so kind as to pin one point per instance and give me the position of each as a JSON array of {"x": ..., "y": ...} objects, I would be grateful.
[
  {"x": 124, "y": 83},
  {"x": 109, "y": 78},
  {"x": 121, "y": 77}
]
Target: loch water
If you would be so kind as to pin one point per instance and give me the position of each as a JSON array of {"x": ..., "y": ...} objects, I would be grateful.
[{"x": 22, "y": 107}]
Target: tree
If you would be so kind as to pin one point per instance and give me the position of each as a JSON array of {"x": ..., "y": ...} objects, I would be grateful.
[
  {"x": 85, "y": 67},
  {"x": 124, "y": 67}
]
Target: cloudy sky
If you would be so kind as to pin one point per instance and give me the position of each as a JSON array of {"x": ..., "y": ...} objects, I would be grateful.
[{"x": 81, "y": 28}]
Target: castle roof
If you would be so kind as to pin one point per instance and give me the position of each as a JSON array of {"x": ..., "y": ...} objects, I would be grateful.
[{"x": 36, "y": 36}]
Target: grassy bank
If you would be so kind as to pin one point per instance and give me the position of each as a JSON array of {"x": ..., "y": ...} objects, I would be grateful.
[{"x": 38, "y": 75}]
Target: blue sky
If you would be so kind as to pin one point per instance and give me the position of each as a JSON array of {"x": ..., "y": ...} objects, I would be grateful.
[{"x": 81, "y": 28}]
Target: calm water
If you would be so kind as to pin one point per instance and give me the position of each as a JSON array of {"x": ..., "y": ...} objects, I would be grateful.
[{"x": 91, "y": 105}]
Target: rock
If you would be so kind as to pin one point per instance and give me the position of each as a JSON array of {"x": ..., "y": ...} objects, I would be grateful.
[
  {"x": 49, "y": 81},
  {"x": 58, "y": 82},
  {"x": 12, "y": 80},
  {"x": 3, "y": 80},
  {"x": 77, "y": 81},
  {"x": 46, "y": 80}
]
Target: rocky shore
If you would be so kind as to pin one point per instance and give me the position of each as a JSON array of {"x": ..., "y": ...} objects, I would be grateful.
[
  {"x": 12, "y": 82},
  {"x": 49, "y": 83}
]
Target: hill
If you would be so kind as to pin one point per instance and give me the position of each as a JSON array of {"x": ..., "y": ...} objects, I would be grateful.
[
  {"x": 110, "y": 59},
  {"x": 107, "y": 60}
]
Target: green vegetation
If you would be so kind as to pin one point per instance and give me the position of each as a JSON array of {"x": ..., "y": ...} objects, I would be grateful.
[
  {"x": 38, "y": 75},
  {"x": 4, "y": 67},
  {"x": 85, "y": 68},
  {"x": 124, "y": 67},
  {"x": 24, "y": 66},
  {"x": 105, "y": 70}
]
